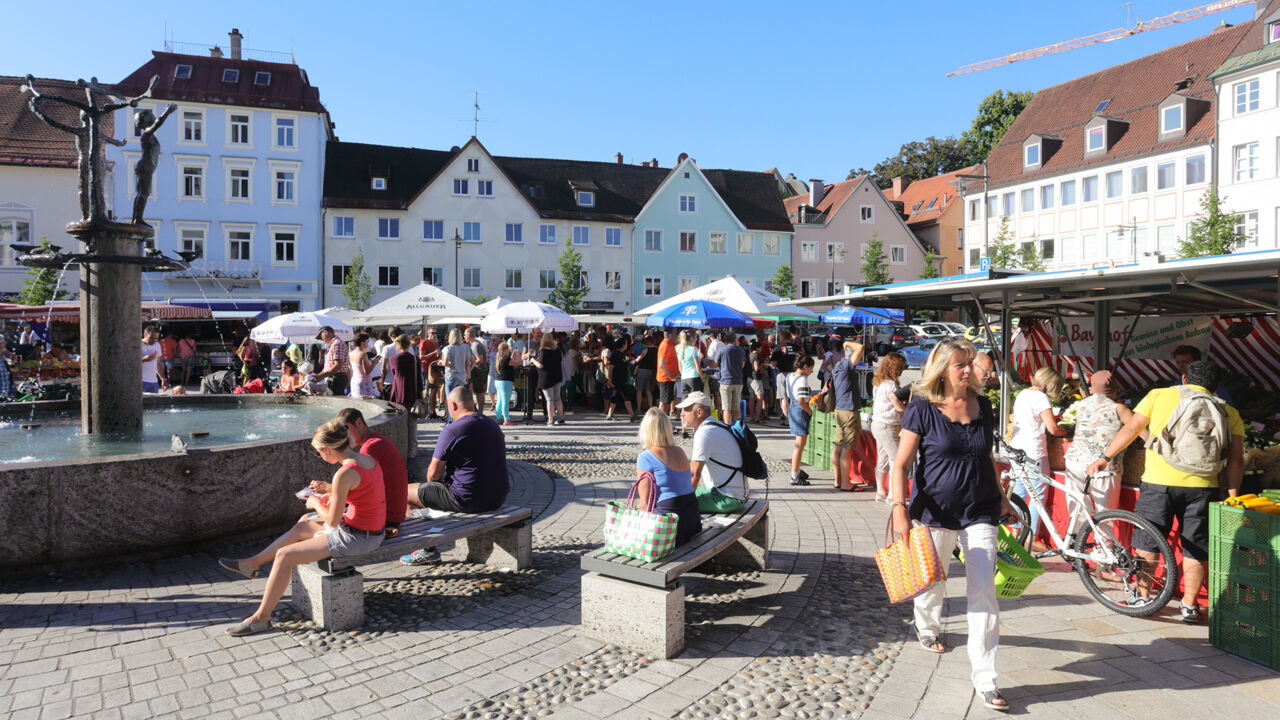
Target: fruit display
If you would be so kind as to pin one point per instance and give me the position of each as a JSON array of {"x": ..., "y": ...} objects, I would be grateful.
[{"x": 1257, "y": 503}]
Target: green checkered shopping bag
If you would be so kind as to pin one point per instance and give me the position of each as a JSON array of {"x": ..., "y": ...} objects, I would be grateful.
[{"x": 639, "y": 532}]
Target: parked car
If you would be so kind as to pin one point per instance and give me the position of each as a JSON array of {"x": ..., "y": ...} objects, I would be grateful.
[
  {"x": 917, "y": 355},
  {"x": 953, "y": 328},
  {"x": 928, "y": 331},
  {"x": 887, "y": 338}
]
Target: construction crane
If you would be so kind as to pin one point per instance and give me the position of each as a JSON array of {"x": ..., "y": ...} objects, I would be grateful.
[{"x": 1108, "y": 36}]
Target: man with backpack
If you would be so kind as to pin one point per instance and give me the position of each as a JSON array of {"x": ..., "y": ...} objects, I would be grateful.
[
  {"x": 728, "y": 456},
  {"x": 1194, "y": 437}
]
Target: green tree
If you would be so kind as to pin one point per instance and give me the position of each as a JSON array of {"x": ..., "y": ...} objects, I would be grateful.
[
  {"x": 570, "y": 289},
  {"x": 1002, "y": 250},
  {"x": 783, "y": 281},
  {"x": 996, "y": 113},
  {"x": 1029, "y": 258},
  {"x": 918, "y": 160},
  {"x": 39, "y": 286},
  {"x": 931, "y": 264},
  {"x": 875, "y": 264},
  {"x": 356, "y": 287},
  {"x": 478, "y": 300},
  {"x": 1214, "y": 232}
]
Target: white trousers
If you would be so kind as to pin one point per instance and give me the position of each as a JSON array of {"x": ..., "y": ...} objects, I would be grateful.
[
  {"x": 979, "y": 545},
  {"x": 1104, "y": 491}
]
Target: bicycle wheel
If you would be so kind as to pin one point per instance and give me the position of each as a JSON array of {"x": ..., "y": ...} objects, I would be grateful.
[
  {"x": 1115, "y": 584},
  {"x": 1022, "y": 528}
]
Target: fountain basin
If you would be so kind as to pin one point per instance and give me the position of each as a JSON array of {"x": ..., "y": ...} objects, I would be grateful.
[{"x": 57, "y": 512}]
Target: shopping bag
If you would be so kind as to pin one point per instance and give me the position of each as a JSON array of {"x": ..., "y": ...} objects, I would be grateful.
[
  {"x": 639, "y": 532},
  {"x": 909, "y": 567}
]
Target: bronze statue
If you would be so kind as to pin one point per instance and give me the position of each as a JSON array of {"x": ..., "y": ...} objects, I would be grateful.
[
  {"x": 89, "y": 137},
  {"x": 146, "y": 125}
]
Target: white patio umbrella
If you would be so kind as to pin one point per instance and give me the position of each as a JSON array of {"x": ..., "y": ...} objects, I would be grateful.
[
  {"x": 486, "y": 307},
  {"x": 521, "y": 317},
  {"x": 419, "y": 303},
  {"x": 299, "y": 327},
  {"x": 346, "y": 315},
  {"x": 743, "y": 297}
]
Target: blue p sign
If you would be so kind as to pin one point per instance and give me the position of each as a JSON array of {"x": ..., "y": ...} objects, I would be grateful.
[{"x": 984, "y": 264}]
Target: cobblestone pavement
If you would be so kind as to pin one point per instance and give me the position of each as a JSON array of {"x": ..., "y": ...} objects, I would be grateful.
[{"x": 811, "y": 637}]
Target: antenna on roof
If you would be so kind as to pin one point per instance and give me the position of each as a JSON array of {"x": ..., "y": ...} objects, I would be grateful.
[{"x": 475, "y": 117}]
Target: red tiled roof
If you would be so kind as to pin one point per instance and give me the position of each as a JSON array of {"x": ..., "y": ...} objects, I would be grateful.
[
  {"x": 27, "y": 140},
  {"x": 1136, "y": 89},
  {"x": 833, "y": 196},
  {"x": 932, "y": 196},
  {"x": 288, "y": 89}
]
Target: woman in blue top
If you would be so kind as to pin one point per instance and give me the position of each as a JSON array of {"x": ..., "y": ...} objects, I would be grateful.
[
  {"x": 947, "y": 435},
  {"x": 670, "y": 468}
]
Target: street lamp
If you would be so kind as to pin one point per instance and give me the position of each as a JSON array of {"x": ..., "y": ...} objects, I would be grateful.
[
  {"x": 457, "y": 252},
  {"x": 834, "y": 253},
  {"x": 1132, "y": 227}
]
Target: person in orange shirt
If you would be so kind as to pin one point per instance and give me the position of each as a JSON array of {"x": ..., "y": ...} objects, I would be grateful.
[
  {"x": 168, "y": 351},
  {"x": 668, "y": 372}
]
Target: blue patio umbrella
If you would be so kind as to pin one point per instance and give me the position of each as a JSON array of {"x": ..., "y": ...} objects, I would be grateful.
[
  {"x": 849, "y": 315},
  {"x": 699, "y": 314}
]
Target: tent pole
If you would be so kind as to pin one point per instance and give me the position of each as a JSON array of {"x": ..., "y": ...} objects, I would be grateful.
[
  {"x": 1102, "y": 334},
  {"x": 1006, "y": 332}
]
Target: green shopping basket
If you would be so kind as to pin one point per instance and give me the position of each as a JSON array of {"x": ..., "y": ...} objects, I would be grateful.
[{"x": 1015, "y": 567}]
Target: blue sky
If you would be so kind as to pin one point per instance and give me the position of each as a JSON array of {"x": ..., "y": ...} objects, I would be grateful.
[{"x": 745, "y": 85}]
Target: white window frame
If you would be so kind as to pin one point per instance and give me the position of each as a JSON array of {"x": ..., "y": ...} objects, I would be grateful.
[
  {"x": 435, "y": 224},
  {"x": 182, "y": 72},
  {"x": 433, "y": 276},
  {"x": 1118, "y": 177},
  {"x": 346, "y": 270},
  {"x": 585, "y": 198},
  {"x": 1165, "y": 125},
  {"x": 808, "y": 251},
  {"x": 227, "y": 229},
  {"x": 231, "y": 76},
  {"x": 746, "y": 243},
  {"x": 333, "y": 226},
  {"x": 182, "y": 162},
  {"x": 688, "y": 204},
  {"x": 274, "y": 231},
  {"x": 546, "y": 234},
  {"x": 279, "y": 166},
  {"x": 613, "y": 281},
  {"x": 481, "y": 186},
  {"x": 230, "y": 164},
  {"x": 388, "y": 283},
  {"x": 1027, "y": 200},
  {"x": 260, "y": 80},
  {"x": 1026, "y": 155},
  {"x": 180, "y": 227},
  {"x": 776, "y": 244},
  {"x": 1100, "y": 133},
  {"x": 867, "y": 214},
  {"x": 462, "y": 187},
  {"x": 199, "y": 126},
  {"x": 581, "y": 235},
  {"x": 1134, "y": 173},
  {"x": 1084, "y": 189},
  {"x": 1173, "y": 174},
  {"x": 275, "y": 132},
  {"x": 546, "y": 281},
  {"x": 653, "y": 286},
  {"x": 513, "y": 273},
  {"x": 467, "y": 283},
  {"x": 518, "y": 232},
  {"x": 897, "y": 254},
  {"x": 377, "y": 183},
  {"x": 472, "y": 231},
  {"x": 687, "y": 283},
  {"x": 652, "y": 235},
  {"x": 836, "y": 253},
  {"x": 613, "y": 237},
  {"x": 1048, "y": 194},
  {"x": 711, "y": 243},
  {"x": 231, "y": 127},
  {"x": 1247, "y": 223},
  {"x": 1250, "y": 99},
  {"x": 473, "y": 165},
  {"x": 1186, "y": 170},
  {"x": 692, "y": 236},
  {"x": 1244, "y": 161},
  {"x": 389, "y": 223}
]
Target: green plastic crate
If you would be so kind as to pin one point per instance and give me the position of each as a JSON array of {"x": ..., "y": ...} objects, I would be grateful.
[
  {"x": 1243, "y": 601},
  {"x": 1235, "y": 634},
  {"x": 1244, "y": 545}
]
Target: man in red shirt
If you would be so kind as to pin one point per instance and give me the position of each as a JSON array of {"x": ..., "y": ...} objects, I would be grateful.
[
  {"x": 428, "y": 355},
  {"x": 395, "y": 476},
  {"x": 668, "y": 372}
]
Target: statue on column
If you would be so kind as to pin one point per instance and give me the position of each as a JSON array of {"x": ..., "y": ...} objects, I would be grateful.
[
  {"x": 89, "y": 137},
  {"x": 146, "y": 125}
]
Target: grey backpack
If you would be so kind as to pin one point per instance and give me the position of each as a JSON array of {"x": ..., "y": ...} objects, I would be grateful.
[{"x": 1197, "y": 436}]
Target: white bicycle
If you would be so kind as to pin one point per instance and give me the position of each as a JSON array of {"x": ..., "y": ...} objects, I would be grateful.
[{"x": 1100, "y": 544}]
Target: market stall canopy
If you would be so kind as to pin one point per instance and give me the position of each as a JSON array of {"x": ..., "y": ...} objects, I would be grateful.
[
  {"x": 850, "y": 315},
  {"x": 417, "y": 303},
  {"x": 743, "y": 297},
  {"x": 346, "y": 315},
  {"x": 522, "y": 317},
  {"x": 699, "y": 314},
  {"x": 69, "y": 311},
  {"x": 486, "y": 307},
  {"x": 299, "y": 327},
  {"x": 1236, "y": 284}
]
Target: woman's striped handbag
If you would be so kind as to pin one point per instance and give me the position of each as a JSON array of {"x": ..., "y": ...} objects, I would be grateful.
[
  {"x": 639, "y": 532},
  {"x": 909, "y": 567}
]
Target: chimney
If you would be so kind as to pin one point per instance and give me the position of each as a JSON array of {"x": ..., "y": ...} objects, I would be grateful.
[
  {"x": 816, "y": 192},
  {"x": 682, "y": 157},
  {"x": 618, "y": 158},
  {"x": 900, "y": 186},
  {"x": 236, "y": 37},
  {"x": 653, "y": 162},
  {"x": 215, "y": 52}
]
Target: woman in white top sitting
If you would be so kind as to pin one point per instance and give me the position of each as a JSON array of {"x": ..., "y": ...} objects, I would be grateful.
[
  {"x": 1032, "y": 417},
  {"x": 886, "y": 418}
]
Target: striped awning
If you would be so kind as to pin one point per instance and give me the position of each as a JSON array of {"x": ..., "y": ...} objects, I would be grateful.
[{"x": 69, "y": 311}]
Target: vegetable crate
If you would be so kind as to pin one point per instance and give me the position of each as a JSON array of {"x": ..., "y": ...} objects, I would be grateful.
[
  {"x": 1244, "y": 546},
  {"x": 1239, "y": 635}
]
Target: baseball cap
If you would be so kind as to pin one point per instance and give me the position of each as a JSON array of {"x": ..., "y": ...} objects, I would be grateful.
[
  {"x": 320, "y": 335},
  {"x": 696, "y": 397}
]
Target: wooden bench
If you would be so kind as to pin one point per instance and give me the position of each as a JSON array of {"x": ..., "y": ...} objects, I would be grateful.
[
  {"x": 641, "y": 605},
  {"x": 330, "y": 591}
]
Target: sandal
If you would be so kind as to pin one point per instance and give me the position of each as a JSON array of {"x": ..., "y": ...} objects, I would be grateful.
[
  {"x": 234, "y": 566},
  {"x": 993, "y": 700},
  {"x": 932, "y": 644}
]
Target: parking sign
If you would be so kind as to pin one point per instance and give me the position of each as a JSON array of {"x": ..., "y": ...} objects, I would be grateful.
[{"x": 984, "y": 264}]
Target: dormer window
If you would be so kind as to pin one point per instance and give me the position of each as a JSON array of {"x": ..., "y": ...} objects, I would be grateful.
[
  {"x": 230, "y": 76},
  {"x": 378, "y": 183},
  {"x": 182, "y": 72},
  {"x": 586, "y": 199},
  {"x": 1273, "y": 32},
  {"x": 262, "y": 78},
  {"x": 1171, "y": 119},
  {"x": 1031, "y": 155},
  {"x": 1096, "y": 139}
]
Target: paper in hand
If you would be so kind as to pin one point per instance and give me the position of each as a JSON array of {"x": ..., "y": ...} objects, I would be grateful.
[{"x": 305, "y": 493}]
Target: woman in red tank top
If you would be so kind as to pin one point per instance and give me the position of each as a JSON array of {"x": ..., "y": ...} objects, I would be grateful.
[{"x": 354, "y": 513}]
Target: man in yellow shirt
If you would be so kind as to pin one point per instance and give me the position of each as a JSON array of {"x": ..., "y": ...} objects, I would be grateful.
[{"x": 1169, "y": 493}]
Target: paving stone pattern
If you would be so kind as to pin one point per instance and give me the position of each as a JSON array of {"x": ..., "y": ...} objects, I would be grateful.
[{"x": 812, "y": 637}]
